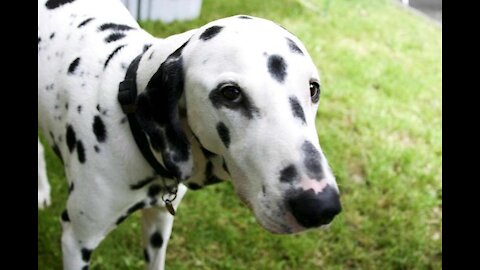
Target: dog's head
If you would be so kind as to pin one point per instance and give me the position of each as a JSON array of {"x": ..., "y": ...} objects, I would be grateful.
[{"x": 251, "y": 92}]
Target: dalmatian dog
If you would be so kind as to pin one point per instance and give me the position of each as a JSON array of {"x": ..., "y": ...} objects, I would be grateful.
[{"x": 234, "y": 99}]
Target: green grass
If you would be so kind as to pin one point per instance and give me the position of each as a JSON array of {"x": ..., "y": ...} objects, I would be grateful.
[{"x": 379, "y": 123}]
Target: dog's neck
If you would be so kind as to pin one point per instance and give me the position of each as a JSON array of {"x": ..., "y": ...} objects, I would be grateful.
[
  {"x": 156, "y": 54},
  {"x": 209, "y": 168}
]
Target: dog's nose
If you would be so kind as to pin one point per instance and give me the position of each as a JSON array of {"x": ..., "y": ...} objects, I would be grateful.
[{"x": 312, "y": 209}]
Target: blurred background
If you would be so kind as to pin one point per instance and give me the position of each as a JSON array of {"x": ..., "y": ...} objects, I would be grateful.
[{"x": 379, "y": 124}]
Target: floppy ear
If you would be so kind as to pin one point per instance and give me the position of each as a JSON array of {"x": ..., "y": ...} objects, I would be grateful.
[{"x": 158, "y": 115}]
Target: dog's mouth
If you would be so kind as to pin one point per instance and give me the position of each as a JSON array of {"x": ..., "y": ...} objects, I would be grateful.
[
  {"x": 284, "y": 224},
  {"x": 266, "y": 221},
  {"x": 271, "y": 215},
  {"x": 275, "y": 218}
]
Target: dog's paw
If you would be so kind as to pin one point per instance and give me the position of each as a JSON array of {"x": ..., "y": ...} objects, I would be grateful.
[{"x": 43, "y": 198}]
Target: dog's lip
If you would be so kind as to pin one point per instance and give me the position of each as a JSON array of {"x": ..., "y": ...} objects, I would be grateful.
[
  {"x": 278, "y": 225},
  {"x": 272, "y": 226}
]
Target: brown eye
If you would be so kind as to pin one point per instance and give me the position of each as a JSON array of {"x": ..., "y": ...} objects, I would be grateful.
[
  {"x": 314, "y": 91},
  {"x": 231, "y": 93}
]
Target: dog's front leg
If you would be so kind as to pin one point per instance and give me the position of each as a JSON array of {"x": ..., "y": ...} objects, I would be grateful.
[
  {"x": 43, "y": 186},
  {"x": 88, "y": 218},
  {"x": 157, "y": 226},
  {"x": 74, "y": 255}
]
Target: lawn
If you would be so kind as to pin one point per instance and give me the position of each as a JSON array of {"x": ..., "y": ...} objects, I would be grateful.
[{"x": 379, "y": 123}]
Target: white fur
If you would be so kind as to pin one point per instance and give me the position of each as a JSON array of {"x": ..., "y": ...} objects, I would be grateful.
[{"x": 43, "y": 185}]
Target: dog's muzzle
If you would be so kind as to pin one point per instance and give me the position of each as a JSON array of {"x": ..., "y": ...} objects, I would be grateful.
[{"x": 312, "y": 209}]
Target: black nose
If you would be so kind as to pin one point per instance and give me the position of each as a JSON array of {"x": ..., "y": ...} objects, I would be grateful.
[{"x": 314, "y": 209}]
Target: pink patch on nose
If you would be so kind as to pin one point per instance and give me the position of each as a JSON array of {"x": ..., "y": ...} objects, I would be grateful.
[{"x": 317, "y": 186}]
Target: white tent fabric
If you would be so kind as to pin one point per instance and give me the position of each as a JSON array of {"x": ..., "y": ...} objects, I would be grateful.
[{"x": 164, "y": 10}]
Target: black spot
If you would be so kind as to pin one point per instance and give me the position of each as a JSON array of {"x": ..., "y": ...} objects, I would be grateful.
[
  {"x": 146, "y": 47},
  {"x": 224, "y": 133},
  {"x": 194, "y": 186},
  {"x": 73, "y": 65},
  {"x": 112, "y": 54},
  {"x": 96, "y": 148},
  {"x": 142, "y": 183},
  {"x": 86, "y": 253},
  {"x": 153, "y": 201},
  {"x": 277, "y": 67},
  {"x": 98, "y": 107},
  {"x": 293, "y": 47},
  {"x": 264, "y": 191},
  {"x": 297, "y": 109},
  {"x": 145, "y": 255},
  {"x": 66, "y": 106},
  {"x": 156, "y": 240},
  {"x": 123, "y": 120},
  {"x": 312, "y": 160},
  {"x": 85, "y": 22},
  {"x": 153, "y": 190},
  {"x": 114, "y": 37},
  {"x": 70, "y": 188},
  {"x": 210, "y": 32},
  {"x": 120, "y": 220},
  {"x": 56, "y": 150},
  {"x": 210, "y": 177},
  {"x": 178, "y": 53},
  {"x": 288, "y": 174},
  {"x": 52, "y": 4},
  {"x": 244, "y": 17},
  {"x": 71, "y": 138},
  {"x": 245, "y": 106},
  {"x": 39, "y": 39},
  {"x": 224, "y": 165},
  {"x": 136, "y": 207},
  {"x": 64, "y": 216},
  {"x": 79, "y": 108},
  {"x": 80, "y": 152},
  {"x": 151, "y": 55},
  {"x": 99, "y": 129},
  {"x": 115, "y": 27},
  {"x": 52, "y": 35},
  {"x": 207, "y": 153}
]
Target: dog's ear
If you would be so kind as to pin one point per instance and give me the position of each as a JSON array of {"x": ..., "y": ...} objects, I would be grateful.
[{"x": 158, "y": 114}]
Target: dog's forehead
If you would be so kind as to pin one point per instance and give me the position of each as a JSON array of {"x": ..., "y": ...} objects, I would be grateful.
[
  {"x": 248, "y": 45},
  {"x": 238, "y": 33}
]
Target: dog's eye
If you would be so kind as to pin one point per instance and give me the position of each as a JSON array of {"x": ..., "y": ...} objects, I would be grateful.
[
  {"x": 231, "y": 93},
  {"x": 314, "y": 91}
]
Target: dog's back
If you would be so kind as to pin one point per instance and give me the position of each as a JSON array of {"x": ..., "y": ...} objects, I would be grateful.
[
  {"x": 84, "y": 49},
  {"x": 83, "y": 53}
]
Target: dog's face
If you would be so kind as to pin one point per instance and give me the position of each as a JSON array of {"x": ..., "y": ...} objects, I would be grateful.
[{"x": 252, "y": 93}]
